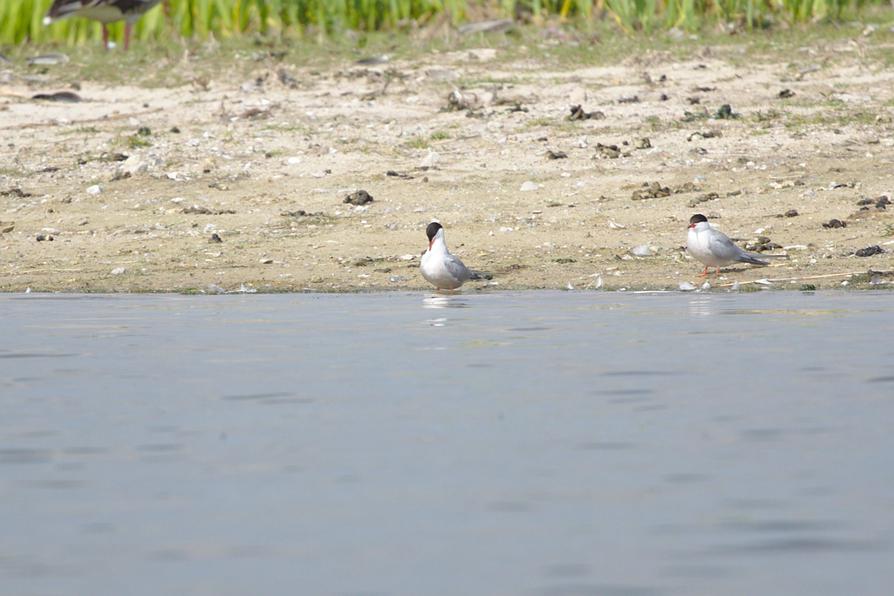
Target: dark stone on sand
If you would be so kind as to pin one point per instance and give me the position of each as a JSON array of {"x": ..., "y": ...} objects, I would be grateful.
[
  {"x": 652, "y": 190},
  {"x": 550, "y": 154},
  {"x": 704, "y": 198},
  {"x": 61, "y": 96},
  {"x": 359, "y": 197},
  {"x": 791, "y": 213},
  {"x": 686, "y": 187},
  {"x": 201, "y": 210},
  {"x": 835, "y": 223},
  {"x": 578, "y": 113},
  {"x": 608, "y": 151},
  {"x": 15, "y": 192},
  {"x": 215, "y": 238},
  {"x": 704, "y": 134},
  {"x": 287, "y": 79},
  {"x": 870, "y": 251},
  {"x": 786, "y": 93},
  {"x": 725, "y": 112},
  {"x": 643, "y": 143}
]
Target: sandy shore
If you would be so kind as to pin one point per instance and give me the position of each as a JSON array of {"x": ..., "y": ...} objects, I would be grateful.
[{"x": 124, "y": 190}]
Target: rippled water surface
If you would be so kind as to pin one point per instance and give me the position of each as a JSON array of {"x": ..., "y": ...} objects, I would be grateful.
[{"x": 554, "y": 444}]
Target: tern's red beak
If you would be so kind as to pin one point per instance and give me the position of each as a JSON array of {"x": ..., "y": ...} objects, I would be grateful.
[
  {"x": 691, "y": 226},
  {"x": 430, "y": 242}
]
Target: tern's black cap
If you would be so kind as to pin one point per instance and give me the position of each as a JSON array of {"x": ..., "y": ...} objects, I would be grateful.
[
  {"x": 697, "y": 218},
  {"x": 432, "y": 229}
]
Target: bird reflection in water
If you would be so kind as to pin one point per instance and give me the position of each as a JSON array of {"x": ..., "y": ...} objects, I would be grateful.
[
  {"x": 444, "y": 301},
  {"x": 702, "y": 305}
]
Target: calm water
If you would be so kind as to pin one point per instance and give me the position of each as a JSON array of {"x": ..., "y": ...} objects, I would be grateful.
[{"x": 534, "y": 444}]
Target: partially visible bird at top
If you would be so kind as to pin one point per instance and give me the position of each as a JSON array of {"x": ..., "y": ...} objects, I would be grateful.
[
  {"x": 104, "y": 11},
  {"x": 440, "y": 268},
  {"x": 714, "y": 248}
]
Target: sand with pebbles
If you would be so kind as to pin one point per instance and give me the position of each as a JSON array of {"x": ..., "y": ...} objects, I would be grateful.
[{"x": 131, "y": 188}]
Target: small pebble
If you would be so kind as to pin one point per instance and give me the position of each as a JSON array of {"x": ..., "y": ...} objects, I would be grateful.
[
  {"x": 215, "y": 238},
  {"x": 118, "y": 271},
  {"x": 528, "y": 186},
  {"x": 94, "y": 190},
  {"x": 791, "y": 213}
]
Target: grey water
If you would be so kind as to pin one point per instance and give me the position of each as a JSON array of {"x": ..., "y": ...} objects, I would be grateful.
[{"x": 561, "y": 444}]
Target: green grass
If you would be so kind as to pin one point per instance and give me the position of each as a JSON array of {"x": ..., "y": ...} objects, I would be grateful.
[
  {"x": 418, "y": 142},
  {"x": 21, "y": 20},
  {"x": 137, "y": 142}
]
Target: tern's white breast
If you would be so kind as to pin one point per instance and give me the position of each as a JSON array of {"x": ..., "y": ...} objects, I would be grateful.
[{"x": 434, "y": 269}]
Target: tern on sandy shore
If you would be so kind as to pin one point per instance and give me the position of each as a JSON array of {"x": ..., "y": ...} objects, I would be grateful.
[
  {"x": 440, "y": 268},
  {"x": 713, "y": 248},
  {"x": 104, "y": 11}
]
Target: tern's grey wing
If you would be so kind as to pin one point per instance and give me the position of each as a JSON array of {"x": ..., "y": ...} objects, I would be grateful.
[
  {"x": 724, "y": 248},
  {"x": 456, "y": 268}
]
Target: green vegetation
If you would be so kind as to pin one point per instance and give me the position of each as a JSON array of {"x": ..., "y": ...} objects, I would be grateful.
[
  {"x": 418, "y": 142},
  {"x": 137, "y": 141},
  {"x": 22, "y": 20}
]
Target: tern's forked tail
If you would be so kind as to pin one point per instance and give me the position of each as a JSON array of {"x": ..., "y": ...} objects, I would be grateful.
[{"x": 747, "y": 257}]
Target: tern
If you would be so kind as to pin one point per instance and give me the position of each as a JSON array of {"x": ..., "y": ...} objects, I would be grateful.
[
  {"x": 714, "y": 248},
  {"x": 440, "y": 268},
  {"x": 104, "y": 11}
]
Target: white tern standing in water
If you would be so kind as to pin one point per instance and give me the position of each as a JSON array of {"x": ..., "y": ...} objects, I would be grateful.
[
  {"x": 713, "y": 248},
  {"x": 440, "y": 268}
]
